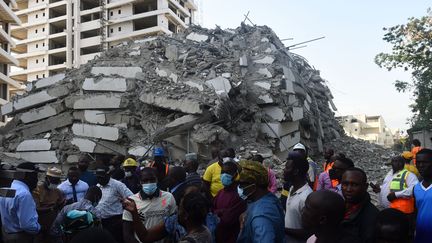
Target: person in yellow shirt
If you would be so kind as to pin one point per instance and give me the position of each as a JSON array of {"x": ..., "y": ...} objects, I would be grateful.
[
  {"x": 211, "y": 177},
  {"x": 408, "y": 156}
]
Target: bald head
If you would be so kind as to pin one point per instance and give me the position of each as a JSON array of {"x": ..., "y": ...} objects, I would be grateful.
[{"x": 323, "y": 209}]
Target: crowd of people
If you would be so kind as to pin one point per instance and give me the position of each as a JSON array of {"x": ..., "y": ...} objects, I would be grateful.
[{"x": 235, "y": 200}]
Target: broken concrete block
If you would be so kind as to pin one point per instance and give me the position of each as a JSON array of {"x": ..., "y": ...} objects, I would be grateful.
[
  {"x": 220, "y": 85},
  {"x": 161, "y": 72},
  {"x": 42, "y": 112},
  {"x": 243, "y": 61},
  {"x": 7, "y": 108},
  {"x": 265, "y": 60},
  {"x": 107, "y": 147},
  {"x": 94, "y": 116},
  {"x": 265, "y": 99},
  {"x": 184, "y": 105},
  {"x": 172, "y": 52},
  {"x": 127, "y": 72},
  {"x": 51, "y": 80},
  {"x": 275, "y": 113},
  {"x": 277, "y": 130},
  {"x": 96, "y": 131},
  {"x": 135, "y": 53},
  {"x": 138, "y": 151},
  {"x": 62, "y": 120},
  {"x": 263, "y": 84},
  {"x": 36, "y": 157},
  {"x": 195, "y": 84},
  {"x": 40, "y": 97},
  {"x": 34, "y": 145},
  {"x": 226, "y": 75},
  {"x": 297, "y": 113},
  {"x": 96, "y": 101},
  {"x": 265, "y": 72},
  {"x": 84, "y": 145},
  {"x": 197, "y": 37},
  {"x": 288, "y": 141},
  {"x": 105, "y": 84}
]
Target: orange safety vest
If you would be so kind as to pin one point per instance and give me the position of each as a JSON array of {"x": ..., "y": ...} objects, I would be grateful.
[
  {"x": 414, "y": 151},
  {"x": 328, "y": 167},
  {"x": 166, "y": 167}
]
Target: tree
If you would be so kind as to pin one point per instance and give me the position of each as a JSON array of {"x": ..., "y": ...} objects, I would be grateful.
[{"x": 412, "y": 51}]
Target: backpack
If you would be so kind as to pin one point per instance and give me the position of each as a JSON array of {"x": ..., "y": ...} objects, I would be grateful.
[{"x": 77, "y": 220}]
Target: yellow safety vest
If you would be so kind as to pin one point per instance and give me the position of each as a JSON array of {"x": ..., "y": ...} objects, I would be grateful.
[{"x": 398, "y": 182}]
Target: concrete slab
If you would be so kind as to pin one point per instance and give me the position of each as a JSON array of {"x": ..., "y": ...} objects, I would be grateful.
[
  {"x": 263, "y": 84},
  {"x": 41, "y": 113},
  {"x": 265, "y": 60},
  {"x": 184, "y": 105},
  {"x": 138, "y": 151},
  {"x": 220, "y": 85},
  {"x": 289, "y": 141},
  {"x": 197, "y": 37},
  {"x": 107, "y": 147},
  {"x": 7, "y": 108},
  {"x": 127, "y": 72},
  {"x": 94, "y": 116},
  {"x": 49, "y": 81},
  {"x": 265, "y": 99},
  {"x": 36, "y": 157},
  {"x": 265, "y": 72},
  {"x": 275, "y": 113},
  {"x": 243, "y": 61},
  {"x": 226, "y": 75},
  {"x": 34, "y": 145},
  {"x": 195, "y": 84},
  {"x": 105, "y": 84},
  {"x": 281, "y": 129},
  {"x": 172, "y": 52},
  {"x": 96, "y": 131},
  {"x": 297, "y": 113},
  {"x": 61, "y": 120},
  {"x": 84, "y": 145},
  {"x": 98, "y": 101},
  {"x": 135, "y": 53}
]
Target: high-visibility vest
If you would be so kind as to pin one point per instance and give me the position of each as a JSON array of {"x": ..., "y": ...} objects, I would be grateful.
[
  {"x": 398, "y": 184},
  {"x": 166, "y": 167}
]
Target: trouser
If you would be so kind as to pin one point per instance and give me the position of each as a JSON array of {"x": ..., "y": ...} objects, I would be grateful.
[
  {"x": 20, "y": 237},
  {"x": 114, "y": 225}
]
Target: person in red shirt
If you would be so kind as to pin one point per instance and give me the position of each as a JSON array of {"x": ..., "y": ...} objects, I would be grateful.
[{"x": 228, "y": 205}]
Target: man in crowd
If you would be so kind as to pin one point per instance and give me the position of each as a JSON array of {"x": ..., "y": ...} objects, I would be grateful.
[
  {"x": 295, "y": 172},
  {"x": 328, "y": 154},
  {"x": 161, "y": 166},
  {"x": 397, "y": 187},
  {"x": 49, "y": 201},
  {"x": 88, "y": 203},
  {"x": 360, "y": 213},
  {"x": 340, "y": 165},
  {"x": 18, "y": 214},
  {"x": 264, "y": 220},
  {"x": 415, "y": 149},
  {"x": 391, "y": 226},
  {"x": 177, "y": 182},
  {"x": 211, "y": 177},
  {"x": 73, "y": 188},
  {"x": 312, "y": 172},
  {"x": 322, "y": 214},
  {"x": 228, "y": 206},
  {"x": 110, "y": 206},
  {"x": 115, "y": 169},
  {"x": 152, "y": 205},
  {"x": 271, "y": 174},
  {"x": 191, "y": 167},
  {"x": 423, "y": 197},
  {"x": 85, "y": 175},
  {"x": 132, "y": 177}
]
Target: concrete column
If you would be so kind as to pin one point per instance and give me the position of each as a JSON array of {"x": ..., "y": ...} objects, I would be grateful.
[
  {"x": 69, "y": 32},
  {"x": 77, "y": 34}
]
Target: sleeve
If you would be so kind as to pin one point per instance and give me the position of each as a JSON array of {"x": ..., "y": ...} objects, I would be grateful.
[
  {"x": 127, "y": 216},
  {"x": 411, "y": 181},
  {"x": 55, "y": 228},
  {"x": 324, "y": 182},
  {"x": 123, "y": 190},
  {"x": 172, "y": 205},
  {"x": 208, "y": 174},
  {"x": 262, "y": 230},
  {"x": 27, "y": 215},
  {"x": 311, "y": 172}
]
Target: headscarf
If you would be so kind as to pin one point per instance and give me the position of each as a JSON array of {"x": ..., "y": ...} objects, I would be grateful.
[{"x": 253, "y": 172}]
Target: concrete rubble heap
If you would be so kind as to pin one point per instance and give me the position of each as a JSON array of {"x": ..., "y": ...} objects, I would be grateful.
[{"x": 239, "y": 88}]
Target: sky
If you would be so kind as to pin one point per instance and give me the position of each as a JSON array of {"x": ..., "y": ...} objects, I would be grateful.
[{"x": 353, "y": 33}]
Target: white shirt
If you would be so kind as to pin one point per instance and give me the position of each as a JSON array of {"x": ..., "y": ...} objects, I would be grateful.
[
  {"x": 152, "y": 211},
  {"x": 112, "y": 194},
  {"x": 294, "y": 206},
  {"x": 80, "y": 188},
  {"x": 411, "y": 181}
]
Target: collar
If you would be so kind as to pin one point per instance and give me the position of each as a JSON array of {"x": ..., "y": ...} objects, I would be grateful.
[
  {"x": 177, "y": 186},
  {"x": 144, "y": 196},
  {"x": 352, "y": 212},
  {"x": 299, "y": 191},
  {"x": 70, "y": 184}
]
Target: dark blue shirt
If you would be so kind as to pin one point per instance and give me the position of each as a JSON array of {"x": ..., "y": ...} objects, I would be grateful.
[{"x": 88, "y": 177}]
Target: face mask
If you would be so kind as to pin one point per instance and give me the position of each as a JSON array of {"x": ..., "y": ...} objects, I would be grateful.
[
  {"x": 226, "y": 179},
  {"x": 149, "y": 188},
  {"x": 128, "y": 174},
  {"x": 241, "y": 194},
  {"x": 111, "y": 167}
]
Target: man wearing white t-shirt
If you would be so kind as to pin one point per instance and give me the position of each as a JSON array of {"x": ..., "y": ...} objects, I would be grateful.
[{"x": 152, "y": 204}]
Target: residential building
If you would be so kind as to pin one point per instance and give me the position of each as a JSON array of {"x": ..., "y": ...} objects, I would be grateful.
[
  {"x": 369, "y": 128},
  {"x": 60, "y": 34},
  {"x": 7, "y": 18}
]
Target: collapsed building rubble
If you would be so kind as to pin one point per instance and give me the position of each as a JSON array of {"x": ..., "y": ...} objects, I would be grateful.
[{"x": 193, "y": 90}]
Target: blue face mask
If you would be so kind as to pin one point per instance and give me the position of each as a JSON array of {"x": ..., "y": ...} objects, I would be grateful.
[
  {"x": 226, "y": 179},
  {"x": 149, "y": 188}
]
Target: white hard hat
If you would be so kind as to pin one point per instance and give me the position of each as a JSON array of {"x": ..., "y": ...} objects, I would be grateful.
[{"x": 299, "y": 146}]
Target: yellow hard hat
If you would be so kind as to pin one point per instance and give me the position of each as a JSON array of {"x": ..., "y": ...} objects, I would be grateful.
[
  {"x": 130, "y": 162},
  {"x": 407, "y": 155}
]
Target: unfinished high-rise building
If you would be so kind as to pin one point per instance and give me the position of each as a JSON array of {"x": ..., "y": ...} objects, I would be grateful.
[
  {"x": 7, "y": 19},
  {"x": 60, "y": 34}
]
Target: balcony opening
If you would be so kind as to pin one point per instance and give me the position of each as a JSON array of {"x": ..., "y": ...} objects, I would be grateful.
[
  {"x": 90, "y": 33},
  {"x": 58, "y": 27},
  {"x": 144, "y": 23},
  {"x": 172, "y": 27},
  {"x": 57, "y": 59},
  {"x": 89, "y": 4},
  {"x": 90, "y": 50},
  {"x": 90, "y": 17},
  {"x": 57, "y": 11},
  {"x": 145, "y": 6}
]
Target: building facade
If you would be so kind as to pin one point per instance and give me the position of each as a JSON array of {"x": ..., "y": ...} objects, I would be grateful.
[
  {"x": 60, "y": 34},
  {"x": 7, "y": 20},
  {"x": 370, "y": 128}
]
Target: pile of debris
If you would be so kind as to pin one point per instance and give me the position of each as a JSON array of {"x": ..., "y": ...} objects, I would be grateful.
[{"x": 188, "y": 92}]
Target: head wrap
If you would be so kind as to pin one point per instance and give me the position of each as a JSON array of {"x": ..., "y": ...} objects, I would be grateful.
[{"x": 253, "y": 172}]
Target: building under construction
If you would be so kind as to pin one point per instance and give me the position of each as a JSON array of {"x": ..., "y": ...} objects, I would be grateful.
[{"x": 60, "y": 34}]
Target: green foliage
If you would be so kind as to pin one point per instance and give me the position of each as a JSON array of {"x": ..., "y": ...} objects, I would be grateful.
[{"x": 412, "y": 51}]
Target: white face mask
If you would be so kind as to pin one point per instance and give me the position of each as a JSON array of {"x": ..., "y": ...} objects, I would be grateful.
[
  {"x": 111, "y": 167},
  {"x": 128, "y": 174}
]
